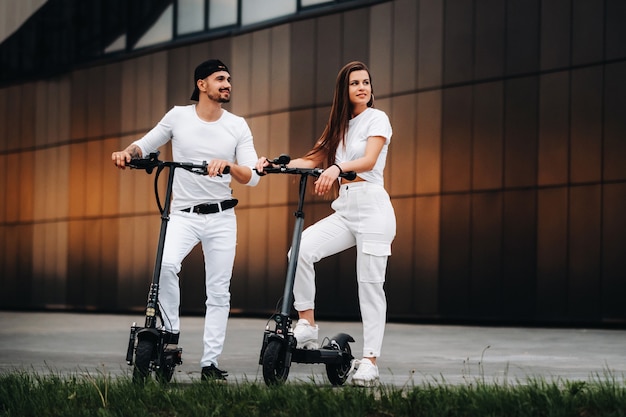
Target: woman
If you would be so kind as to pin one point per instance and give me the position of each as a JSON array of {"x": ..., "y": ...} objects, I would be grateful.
[{"x": 356, "y": 138}]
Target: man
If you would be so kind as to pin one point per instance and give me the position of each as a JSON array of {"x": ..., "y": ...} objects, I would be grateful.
[{"x": 202, "y": 206}]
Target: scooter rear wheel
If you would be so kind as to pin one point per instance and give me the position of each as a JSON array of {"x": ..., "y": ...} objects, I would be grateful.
[
  {"x": 275, "y": 371},
  {"x": 338, "y": 373},
  {"x": 143, "y": 358}
]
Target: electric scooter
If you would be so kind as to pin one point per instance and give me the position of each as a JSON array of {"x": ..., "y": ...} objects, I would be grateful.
[
  {"x": 147, "y": 345},
  {"x": 279, "y": 349}
]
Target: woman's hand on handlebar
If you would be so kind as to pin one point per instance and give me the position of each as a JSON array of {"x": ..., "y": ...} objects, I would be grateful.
[
  {"x": 261, "y": 164},
  {"x": 327, "y": 178}
]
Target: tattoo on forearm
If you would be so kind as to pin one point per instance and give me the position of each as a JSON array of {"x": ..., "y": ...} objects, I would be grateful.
[{"x": 134, "y": 151}]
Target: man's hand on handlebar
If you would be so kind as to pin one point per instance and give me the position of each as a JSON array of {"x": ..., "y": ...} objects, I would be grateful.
[
  {"x": 217, "y": 167},
  {"x": 122, "y": 158}
]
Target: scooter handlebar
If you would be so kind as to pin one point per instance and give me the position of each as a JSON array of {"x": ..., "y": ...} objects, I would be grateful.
[
  {"x": 279, "y": 166},
  {"x": 152, "y": 161}
]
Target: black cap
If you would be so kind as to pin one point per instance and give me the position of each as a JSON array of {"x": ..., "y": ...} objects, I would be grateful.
[{"x": 204, "y": 70}]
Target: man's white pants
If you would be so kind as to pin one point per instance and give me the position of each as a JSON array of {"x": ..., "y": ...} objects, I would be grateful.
[
  {"x": 218, "y": 234},
  {"x": 363, "y": 217}
]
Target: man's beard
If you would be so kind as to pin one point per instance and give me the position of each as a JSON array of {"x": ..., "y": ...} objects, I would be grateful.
[{"x": 218, "y": 98}]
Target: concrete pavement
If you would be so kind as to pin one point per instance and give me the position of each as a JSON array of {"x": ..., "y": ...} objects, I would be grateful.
[{"x": 62, "y": 343}]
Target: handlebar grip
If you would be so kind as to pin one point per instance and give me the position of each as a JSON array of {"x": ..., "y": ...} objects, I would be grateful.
[
  {"x": 226, "y": 170},
  {"x": 350, "y": 175}
]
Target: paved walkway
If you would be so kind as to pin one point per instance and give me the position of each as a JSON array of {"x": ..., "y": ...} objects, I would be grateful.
[{"x": 63, "y": 343}]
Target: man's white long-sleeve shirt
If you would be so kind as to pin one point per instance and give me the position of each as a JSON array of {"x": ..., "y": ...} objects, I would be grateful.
[{"x": 194, "y": 140}]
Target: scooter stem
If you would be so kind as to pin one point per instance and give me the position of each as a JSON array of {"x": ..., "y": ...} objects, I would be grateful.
[
  {"x": 151, "y": 308},
  {"x": 295, "y": 250}
]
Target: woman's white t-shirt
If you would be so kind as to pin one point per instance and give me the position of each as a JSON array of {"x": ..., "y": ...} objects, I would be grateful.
[{"x": 370, "y": 122}]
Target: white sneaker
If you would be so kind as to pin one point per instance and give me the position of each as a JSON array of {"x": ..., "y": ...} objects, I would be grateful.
[
  {"x": 366, "y": 374},
  {"x": 306, "y": 335}
]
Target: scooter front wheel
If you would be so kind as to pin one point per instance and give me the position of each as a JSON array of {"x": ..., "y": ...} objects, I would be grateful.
[
  {"x": 143, "y": 358},
  {"x": 275, "y": 369}
]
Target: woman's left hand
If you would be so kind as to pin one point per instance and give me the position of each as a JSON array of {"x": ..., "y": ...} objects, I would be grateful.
[{"x": 325, "y": 181}]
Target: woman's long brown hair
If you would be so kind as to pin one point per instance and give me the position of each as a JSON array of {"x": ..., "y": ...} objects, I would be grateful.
[{"x": 340, "y": 113}]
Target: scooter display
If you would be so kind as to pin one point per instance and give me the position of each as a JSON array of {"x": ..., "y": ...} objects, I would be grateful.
[
  {"x": 147, "y": 344},
  {"x": 279, "y": 349}
]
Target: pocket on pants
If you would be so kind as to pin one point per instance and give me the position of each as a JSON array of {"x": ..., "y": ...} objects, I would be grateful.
[{"x": 373, "y": 261}]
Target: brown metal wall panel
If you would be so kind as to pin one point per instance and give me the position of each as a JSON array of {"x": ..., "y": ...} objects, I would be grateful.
[
  {"x": 400, "y": 266},
  {"x": 261, "y": 73},
  {"x": 554, "y": 129},
  {"x": 26, "y": 196},
  {"x": 428, "y": 142},
  {"x": 302, "y": 64},
  {"x": 79, "y": 104},
  {"x": 584, "y": 246},
  {"x": 552, "y": 253},
  {"x": 456, "y": 139},
  {"x": 614, "y": 115},
  {"x": 430, "y": 47},
  {"x": 520, "y": 132},
  {"x": 586, "y": 125},
  {"x": 425, "y": 282},
  {"x": 355, "y": 28},
  {"x": 95, "y": 109},
  {"x": 613, "y": 251},
  {"x": 615, "y": 32},
  {"x": 12, "y": 125},
  {"x": 522, "y": 36},
  {"x": 458, "y": 59},
  {"x": 328, "y": 59},
  {"x": 380, "y": 54},
  {"x": 588, "y": 32},
  {"x": 487, "y": 128},
  {"x": 486, "y": 256},
  {"x": 280, "y": 73},
  {"x": 489, "y": 39},
  {"x": 455, "y": 256},
  {"x": 404, "y": 46},
  {"x": 519, "y": 254},
  {"x": 555, "y": 38},
  {"x": 401, "y": 168}
]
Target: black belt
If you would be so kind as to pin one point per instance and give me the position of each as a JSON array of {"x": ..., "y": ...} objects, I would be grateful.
[{"x": 212, "y": 208}]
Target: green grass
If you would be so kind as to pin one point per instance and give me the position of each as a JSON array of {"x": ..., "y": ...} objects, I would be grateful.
[{"x": 30, "y": 394}]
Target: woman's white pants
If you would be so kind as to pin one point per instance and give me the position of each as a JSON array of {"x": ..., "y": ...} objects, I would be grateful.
[{"x": 363, "y": 217}]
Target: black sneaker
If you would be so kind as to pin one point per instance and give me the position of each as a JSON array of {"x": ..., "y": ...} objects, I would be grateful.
[{"x": 212, "y": 373}]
